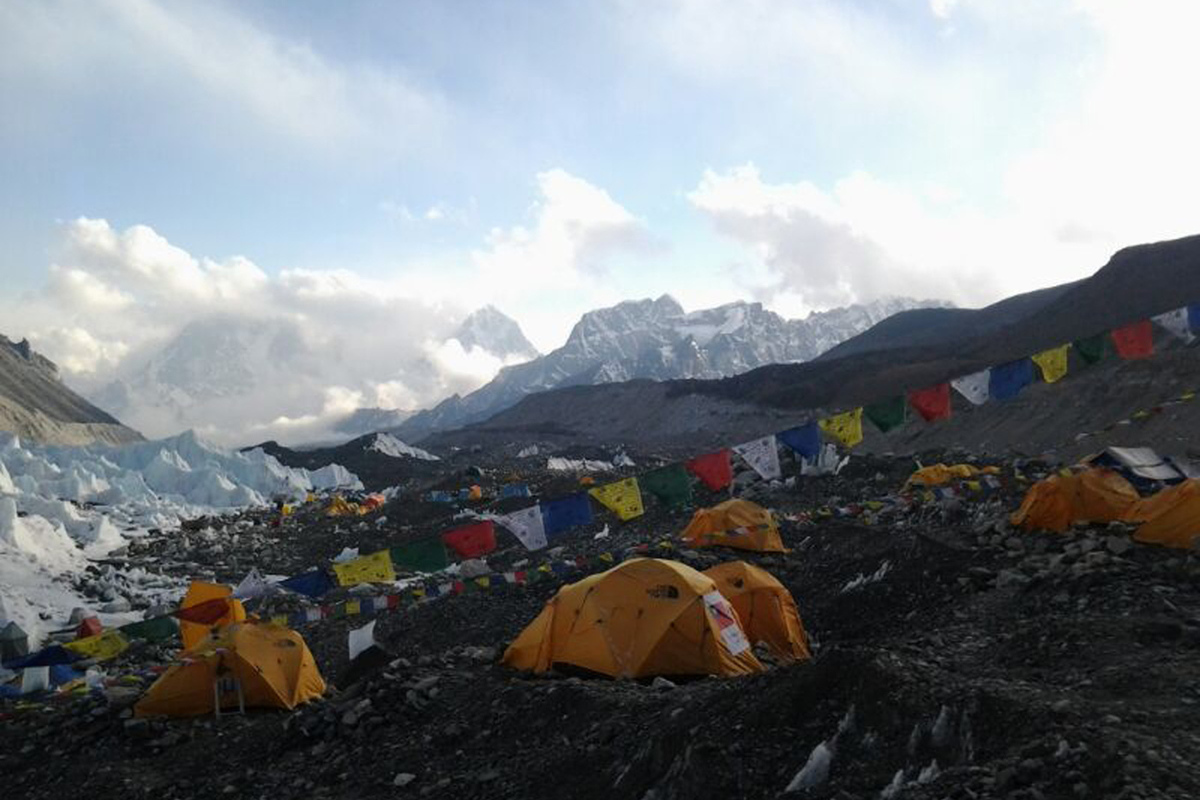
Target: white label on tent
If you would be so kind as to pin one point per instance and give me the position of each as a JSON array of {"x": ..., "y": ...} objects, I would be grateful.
[
  {"x": 1177, "y": 323},
  {"x": 727, "y": 623},
  {"x": 362, "y": 639},
  {"x": 527, "y": 526},
  {"x": 762, "y": 455},
  {"x": 974, "y": 387}
]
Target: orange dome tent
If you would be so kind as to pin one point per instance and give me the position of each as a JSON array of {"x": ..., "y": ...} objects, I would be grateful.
[
  {"x": 765, "y": 606},
  {"x": 1054, "y": 504},
  {"x": 211, "y": 605},
  {"x": 248, "y": 663},
  {"x": 1171, "y": 517},
  {"x": 641, "y": 618},
  {"x": 735, "y": 523}
]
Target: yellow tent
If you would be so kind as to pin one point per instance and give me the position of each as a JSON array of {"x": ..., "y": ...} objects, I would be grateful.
[
  {"x": 270, "y": 664},
  {"x": 644, "y": 617},
  {"x": 1097, "y": 495},
  {"x": 765, "y": 606},
  {"x": 1171, "y": 517},
  {"x": 199, "y": 592},
  {"x": 939, "y": 474},
  {"x": 735, "y": 523}
]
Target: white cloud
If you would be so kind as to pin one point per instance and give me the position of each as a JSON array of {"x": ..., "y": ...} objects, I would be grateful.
[{"x": 204, "y": 70}]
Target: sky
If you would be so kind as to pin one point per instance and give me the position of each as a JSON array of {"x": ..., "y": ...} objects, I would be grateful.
[{"x": 367, "y": 173}]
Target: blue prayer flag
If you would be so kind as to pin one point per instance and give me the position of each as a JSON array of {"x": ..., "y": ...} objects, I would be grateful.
[
  {"x": 1194, "y": 317},
  {"x": 566, "y": 512},
  {"x": 805, "y": 439},
  {"x": 312, "y": 584},
  {"x": 1007, "y": 380},
  {"x": 46, "y": 657}
]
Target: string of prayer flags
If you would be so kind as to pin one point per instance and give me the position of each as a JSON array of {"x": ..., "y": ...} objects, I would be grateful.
[
  {"x": 315, "y": 583},
  {"x": 886, "y": 414},
  {"x": 527, "y": 525},
  {"x": 471, "y": 541},
  {"x": 713, "y": 469},
  {"x": 974, "y": 387},
  {"x": 932, "y": 403},
  {"x": 1135, "y": 340},
  {"x": 670, "y": 485},
  {"x": 1053, "y": 363},
  {"x": 565, "y": 513},
  {"x": 623, "y": 498},
  {"x": 373, "y": 568},
  {"x": 424, "y": 555},
  {"x": 1091, "y": 349},
  {"x": 1007, "y": 380},
  {"x": 1176, "y": 322},
  {"x": 804, "y": 439},
  {"x": 762, "y": 455},
  {"x": 846, "y": 428}
]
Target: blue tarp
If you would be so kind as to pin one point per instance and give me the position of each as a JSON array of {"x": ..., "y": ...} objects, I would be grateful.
[
  {"x": 312, "y": 584},
  {"x": 515, "y": 490},
  {"x": 566, "y": 512},
  {"x": 1007, "y": 380},
  {"x": 805, "y": 440},
  {"x": 440, "y": 496}
]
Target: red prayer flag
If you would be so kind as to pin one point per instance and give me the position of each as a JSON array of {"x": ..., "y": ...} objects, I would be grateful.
[
  {"x": 932, "y": 403},
  {"x": 393, "y": 601},
  {"x": 471, "y": 541},
  {"x": 714, "y": 469},
  {"x": 209, "y": 612},
  {"x": 89, "y": 627},
  {"x": 1134, "y": 341}
]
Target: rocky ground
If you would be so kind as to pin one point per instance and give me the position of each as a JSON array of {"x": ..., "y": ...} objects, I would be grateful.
[{"x": 954, "y": 657}]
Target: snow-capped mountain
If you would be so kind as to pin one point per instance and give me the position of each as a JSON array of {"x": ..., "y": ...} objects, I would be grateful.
[
  {"x": 657, "y": 339},
  {"x": 496, "y": 333},
  {"x": 237, "y": 378}
]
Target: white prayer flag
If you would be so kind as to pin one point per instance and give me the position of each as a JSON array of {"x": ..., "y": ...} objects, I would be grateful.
[
  {"x": 361, "y": 639},
  {"x": 526, "y": 525},
  {"x": 974, "y": 387},
  {"x": 253, "y": 585},
  {"x": 1177, "y": 323},
  {"x": 762, "y": 455}
]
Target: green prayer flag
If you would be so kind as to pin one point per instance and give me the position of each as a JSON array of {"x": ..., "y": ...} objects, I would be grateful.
[
  {"x": 886, "y": 414},
  {"x": 670, "y": 485},
  {"x": 155, "y": 629},
  {"x": 1091, "y": 349},
  {"x": 427, "y": 555}
]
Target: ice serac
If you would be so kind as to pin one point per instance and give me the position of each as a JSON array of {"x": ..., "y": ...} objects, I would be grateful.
[
  {"x": 657, "y": 339},
  {"x": 61, "y": 505},
  {"x": 35, "y": 404},
  {"x": 391, "y": 446}
]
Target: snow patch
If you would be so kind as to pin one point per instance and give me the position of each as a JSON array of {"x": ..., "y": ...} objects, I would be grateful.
[
  {"x": 391, "y": 446},
  {"x": 862, "y": 580}
]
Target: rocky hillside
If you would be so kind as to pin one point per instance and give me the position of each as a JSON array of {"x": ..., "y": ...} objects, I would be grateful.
[
  {"x": 36, "y": 405},
  {"x": 658, "y": 340},
  {"x": 909, "y": 351}
]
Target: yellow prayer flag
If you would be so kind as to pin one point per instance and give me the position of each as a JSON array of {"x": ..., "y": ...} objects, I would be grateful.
[
  {"x": 607, "y": 558},
  {"x": 623, "y": 498},
  {"x": 1053, "y": 363},
  {"x": 845, "y": 427},
  {"x": 375, "y": 568},
  {"x": 101, "y": 647},
  {"x": 483, "y": 582},
  {"x": 279, "y": 619},
  {"x": 353, "y": 608}
]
